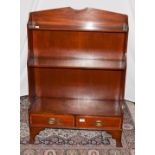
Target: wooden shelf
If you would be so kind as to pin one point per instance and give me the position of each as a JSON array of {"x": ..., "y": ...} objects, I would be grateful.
[
  {"x": 85, "y": 107},
  {"x": 87, "y": 19},
  {"x": 116, "y": 28},
  {"x": 77, "y": 63}
]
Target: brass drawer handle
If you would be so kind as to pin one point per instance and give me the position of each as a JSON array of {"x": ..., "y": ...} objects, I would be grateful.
[
  {"x": 52, "y": 121},
  {"x": 99, "y": 123}
]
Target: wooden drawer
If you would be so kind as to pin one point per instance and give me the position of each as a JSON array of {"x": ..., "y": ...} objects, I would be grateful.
[
  {"x": 98, "y": 122},
  {"x": 50, "y": 120}
]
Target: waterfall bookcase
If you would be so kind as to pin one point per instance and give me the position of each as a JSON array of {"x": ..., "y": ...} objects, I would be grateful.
[{"x": 76, "y": 70}]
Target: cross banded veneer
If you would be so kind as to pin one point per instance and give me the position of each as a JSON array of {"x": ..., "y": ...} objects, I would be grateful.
[{"x": 76, "y": 70}]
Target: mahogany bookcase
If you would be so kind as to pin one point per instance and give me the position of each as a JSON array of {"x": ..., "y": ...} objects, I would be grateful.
[{"x": 76, "y": 70}]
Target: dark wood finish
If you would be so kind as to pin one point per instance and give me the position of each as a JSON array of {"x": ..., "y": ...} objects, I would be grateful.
[
  {"x": 76, "y": 107},
  {"x": 86, "y": 45},
  {"x": 71, "y": 83},
  {"x": 51, "y": 120},
  {"x": 77, "y": 63},
  {"x": 87, "y": 19},
  {"x": 34, "y": 131},
  {"x": 116, "y": 134},
  {"x": 98, "y": 122},
  {"x": 76, "y": 70}
]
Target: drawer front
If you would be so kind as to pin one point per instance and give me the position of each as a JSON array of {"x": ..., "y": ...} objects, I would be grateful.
[
  {"x": 98, "y": 122},
  {"x": 51, "y": 120}
]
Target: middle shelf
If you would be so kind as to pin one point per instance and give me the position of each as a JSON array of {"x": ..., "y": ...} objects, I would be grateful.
[{"x": 77, "y": 63}]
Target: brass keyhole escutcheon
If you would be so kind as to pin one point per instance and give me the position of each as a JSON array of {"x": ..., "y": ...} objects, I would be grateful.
[
  {"x": 52, "y": 121},
  {"x": 99, "y": 123}
]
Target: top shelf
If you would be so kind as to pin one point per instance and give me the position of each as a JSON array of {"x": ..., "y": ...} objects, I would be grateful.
[
  {"x": 60, "y": 50},
  {"x": 89, "y": 26},
  {"x": 88, "y": 19}
]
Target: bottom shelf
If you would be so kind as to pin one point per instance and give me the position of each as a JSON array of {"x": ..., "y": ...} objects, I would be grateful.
[
  {"x": 76, "y": 107},
  {"x": 75, "y": 114}
]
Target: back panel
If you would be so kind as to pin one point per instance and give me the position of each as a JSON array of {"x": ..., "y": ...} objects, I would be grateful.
[
  {"x": 76, "y": 83},
  {"x": 78, "y": 45}
]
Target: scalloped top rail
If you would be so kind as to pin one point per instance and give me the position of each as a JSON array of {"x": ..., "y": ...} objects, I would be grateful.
[{"x": 87, "y": 19}]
